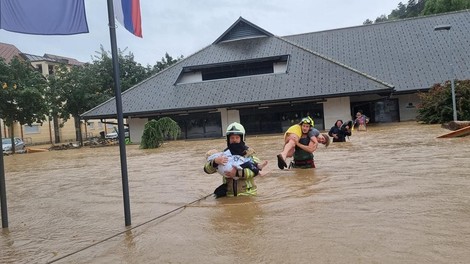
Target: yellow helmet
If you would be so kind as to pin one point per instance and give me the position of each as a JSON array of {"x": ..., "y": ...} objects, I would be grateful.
[{"x": 307, "y": 120}]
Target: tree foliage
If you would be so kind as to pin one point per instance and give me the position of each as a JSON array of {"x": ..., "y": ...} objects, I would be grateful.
[
  {"x": 83, "y": 88},
  {"x": 166, "y": 62},
  {"x": 156, "y": 131},
  {"x": 54, "y": 98},
  {"x": 130, "y": 71},
  {"x": 436, "y": 104},
  {"x": 415, "y": 8},
  {"x": 80, "y": 91},
  {"x": 21, "y": 95},
  {"x": 26, "y": 96},
  {"x": 442, "y": 6}
]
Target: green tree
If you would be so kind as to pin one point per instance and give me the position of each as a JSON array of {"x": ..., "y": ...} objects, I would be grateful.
[
  {"x": 436, "y": 104},
  {"x": 80, "y": 90},
  {"x": 415, "y": 8},
  {"x": 130, "y": 72},
  {"x": 412, "y": 9},
  {"x": 156, "y": 131},
  {"x": 22, "y": 94},
  {"x": 83, "y": 88},
  {"x": 442, "y": 6},
  {"x": 55, "y": 100},
  {"x": 381, "y": 18},
  {"x": 398, "y": 13},
  {"x": 166, "y": 62}
]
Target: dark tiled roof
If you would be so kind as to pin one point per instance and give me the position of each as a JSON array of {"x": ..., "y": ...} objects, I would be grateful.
[
  {"x": 62, "y": 59},
  {"x": 408, "y": 53},
  {"x": 326, "y": 78},
  {"x": 8, "y": 52},
  {"x": 34, "y": 58}
]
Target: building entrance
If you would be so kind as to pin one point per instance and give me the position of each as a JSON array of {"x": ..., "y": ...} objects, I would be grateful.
[{"x": 380, "y": 111}]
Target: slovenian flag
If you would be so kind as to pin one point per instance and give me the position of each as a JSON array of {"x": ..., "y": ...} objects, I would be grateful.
[
  {"x": 127, "y": 12},
  {"x": 43, "y": 17}
]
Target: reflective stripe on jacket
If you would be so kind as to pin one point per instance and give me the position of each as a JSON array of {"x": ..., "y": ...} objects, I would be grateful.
[{"x": 245, "y": 185}]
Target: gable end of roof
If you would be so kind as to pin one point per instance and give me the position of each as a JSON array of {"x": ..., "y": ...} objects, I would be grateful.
[{"x": 242, "y": 29}]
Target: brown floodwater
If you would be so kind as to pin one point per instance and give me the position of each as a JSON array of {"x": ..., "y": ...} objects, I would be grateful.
[{"x": 393, "y": 194}]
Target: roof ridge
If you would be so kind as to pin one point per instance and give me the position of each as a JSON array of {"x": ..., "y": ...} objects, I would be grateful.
[
  {"x": 9, "y": 44},
  {"x": 384, "y": 22},
  {"x": 337, "y": 62}
]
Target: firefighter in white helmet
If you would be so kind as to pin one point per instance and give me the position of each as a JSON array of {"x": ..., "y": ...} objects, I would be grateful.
[{"x": 236, "y": 181}]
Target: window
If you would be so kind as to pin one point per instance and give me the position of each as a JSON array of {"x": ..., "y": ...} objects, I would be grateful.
[
  {"x": 33, "y": 129},
  {"x": 238, "y": 70},
  {"x": 91, "y": 125},
  {"x": 51, "y": 69},
  {"x": 39, "y": 68},
  {"x": 277, "y": 64}
]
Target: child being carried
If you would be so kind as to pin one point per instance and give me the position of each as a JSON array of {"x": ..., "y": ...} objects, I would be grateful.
[{"x": 237, "y": 161}]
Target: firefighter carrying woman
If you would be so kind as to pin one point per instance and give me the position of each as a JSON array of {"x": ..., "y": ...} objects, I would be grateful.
[{"x": 300, "y": 141}]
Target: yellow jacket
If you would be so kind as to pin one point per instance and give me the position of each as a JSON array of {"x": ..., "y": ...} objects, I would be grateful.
[{"x": 244, "y": 185}]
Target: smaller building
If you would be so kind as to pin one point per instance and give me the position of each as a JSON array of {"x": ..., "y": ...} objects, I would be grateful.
[{"x": 49, "y": 131}]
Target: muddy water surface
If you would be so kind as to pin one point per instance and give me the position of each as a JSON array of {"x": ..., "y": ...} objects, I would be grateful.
[{"x": 393, "y": 194}]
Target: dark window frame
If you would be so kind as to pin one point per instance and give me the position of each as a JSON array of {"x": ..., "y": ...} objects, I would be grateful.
[{"x": 235, "y": 69}]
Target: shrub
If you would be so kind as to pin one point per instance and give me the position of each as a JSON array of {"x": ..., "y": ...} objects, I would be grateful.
[
  {"x": 436, "y": 104},
  {"x": 155, "y": 132}
]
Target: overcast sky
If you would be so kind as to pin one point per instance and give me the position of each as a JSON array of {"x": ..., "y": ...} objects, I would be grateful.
[{"x": 183, "y": 27}]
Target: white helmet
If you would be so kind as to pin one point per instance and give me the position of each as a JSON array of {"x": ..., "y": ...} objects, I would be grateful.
[{"x": 235, "y": 129}]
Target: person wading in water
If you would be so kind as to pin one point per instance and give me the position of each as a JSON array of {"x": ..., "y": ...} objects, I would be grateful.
[
  {"x": 301, "y": 140},
  {"x": 236, "y": 181}
]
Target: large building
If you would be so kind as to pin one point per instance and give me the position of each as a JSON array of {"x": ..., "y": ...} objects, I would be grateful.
[{"x": 268, "y": 82}]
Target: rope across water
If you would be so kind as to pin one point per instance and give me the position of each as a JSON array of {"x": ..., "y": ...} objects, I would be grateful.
[{"x": 127, "y": 230}]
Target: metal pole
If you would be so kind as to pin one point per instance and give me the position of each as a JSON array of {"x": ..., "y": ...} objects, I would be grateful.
[
  {"x": 120, "y": 117},
  {"x": 3, "y": 191},
  {"x": 454, "y": 107}
]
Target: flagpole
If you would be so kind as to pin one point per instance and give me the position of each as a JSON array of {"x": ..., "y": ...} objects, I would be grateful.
[
  {"x": 3, "y": 192},
  {"x": 120, "y": 118}
]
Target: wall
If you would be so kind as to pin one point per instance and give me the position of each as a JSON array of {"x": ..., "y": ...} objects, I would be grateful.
[
  {"x": 228, "y": 117},
  {"x": 190, "y": 77},
  {"x": 333, "y": 109},
  {"x": 336, "y": 108},
  {"x": 136, "y": 128},
  {"x": 41, "y": 136},
  {"x": 408, "y": 106}
]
